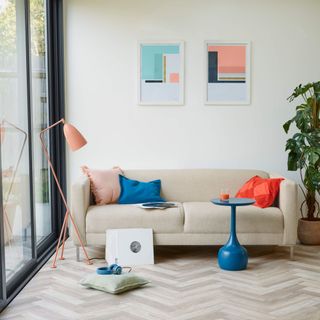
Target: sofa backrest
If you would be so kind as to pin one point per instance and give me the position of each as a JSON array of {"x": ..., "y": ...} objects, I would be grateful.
[{"x": 195, "y": 184}]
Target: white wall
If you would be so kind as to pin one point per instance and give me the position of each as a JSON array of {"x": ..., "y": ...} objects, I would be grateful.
[{"x": 101, "y": 82}]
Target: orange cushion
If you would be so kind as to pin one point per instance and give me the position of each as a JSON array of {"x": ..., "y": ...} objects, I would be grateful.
[{"x": 264, "y": 191}]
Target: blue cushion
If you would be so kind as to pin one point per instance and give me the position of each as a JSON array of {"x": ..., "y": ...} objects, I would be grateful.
[{"x": 133, "y": 191}]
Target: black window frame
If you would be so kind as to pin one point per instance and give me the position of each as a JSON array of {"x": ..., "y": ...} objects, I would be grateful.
[{"x": 43, "y": 251}]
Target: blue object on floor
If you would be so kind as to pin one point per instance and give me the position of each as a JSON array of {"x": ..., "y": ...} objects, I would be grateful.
[
  {"x": 232, "y": 256},
  {"x": 113, "y": 269}
]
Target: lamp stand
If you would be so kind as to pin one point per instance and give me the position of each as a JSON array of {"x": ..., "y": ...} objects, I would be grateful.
[{"x": 62, "y": 236}]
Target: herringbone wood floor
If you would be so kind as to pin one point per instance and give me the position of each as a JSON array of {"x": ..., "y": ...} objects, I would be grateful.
[{"x": 186, "y": 284}]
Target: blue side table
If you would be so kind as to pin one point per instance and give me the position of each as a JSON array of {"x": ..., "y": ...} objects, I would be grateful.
[{"x": 232, "y": 256}]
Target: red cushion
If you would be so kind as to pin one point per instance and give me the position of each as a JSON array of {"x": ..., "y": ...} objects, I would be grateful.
[{"x": 264, "y": 191}]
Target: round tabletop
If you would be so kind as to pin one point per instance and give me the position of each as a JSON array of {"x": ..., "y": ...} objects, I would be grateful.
[{"x": 234, "y": 202}]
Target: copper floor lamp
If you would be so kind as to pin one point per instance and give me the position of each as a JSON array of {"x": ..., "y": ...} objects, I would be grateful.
[
  {"x": 15, "y": 170},
  {"x": 75, "y": 141}
]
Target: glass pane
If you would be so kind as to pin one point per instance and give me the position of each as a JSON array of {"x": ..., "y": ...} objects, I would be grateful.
[
  {"x": 40, "y": 117},
  {"x": 14, "y": 137}
]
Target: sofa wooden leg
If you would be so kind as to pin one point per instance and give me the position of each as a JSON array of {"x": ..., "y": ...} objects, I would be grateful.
[
  {"x": 291, "y": 252},
  {"x": 78, "y": 253}
]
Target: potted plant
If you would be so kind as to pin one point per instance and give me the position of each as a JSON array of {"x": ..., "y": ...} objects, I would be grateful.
[{"x": 304, "y": 155}]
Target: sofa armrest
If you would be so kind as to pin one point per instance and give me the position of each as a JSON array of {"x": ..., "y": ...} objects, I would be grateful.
[
  {"x": 80, "y": 200},
  {"x": 288, "y": 204}
]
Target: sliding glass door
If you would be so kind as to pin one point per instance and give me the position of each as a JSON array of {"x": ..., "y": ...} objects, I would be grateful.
[
  {"x": 16, "y": 175},
  {"x": 40, "y": 116},
  {"x": 31, "y": 97}
]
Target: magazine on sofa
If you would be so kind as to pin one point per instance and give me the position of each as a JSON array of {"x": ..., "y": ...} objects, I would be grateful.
[{"x": 157, "y": 205}]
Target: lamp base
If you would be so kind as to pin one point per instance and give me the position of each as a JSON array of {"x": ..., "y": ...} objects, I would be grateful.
[{"x": 62, "y": 240}]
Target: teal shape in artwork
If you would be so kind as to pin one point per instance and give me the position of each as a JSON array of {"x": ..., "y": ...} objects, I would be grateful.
[{"x": 151, "y": 60}]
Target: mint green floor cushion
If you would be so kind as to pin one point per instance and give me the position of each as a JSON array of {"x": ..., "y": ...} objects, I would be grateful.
[{"x": 113, "y": 283}]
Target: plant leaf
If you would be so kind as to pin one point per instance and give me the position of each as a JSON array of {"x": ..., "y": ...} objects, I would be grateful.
[
  {"x": 286, "y": 126},
  {"x": 293, "y": 159}
]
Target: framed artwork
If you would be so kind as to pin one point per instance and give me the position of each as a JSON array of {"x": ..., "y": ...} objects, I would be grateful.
[
  {"x": 161, "y": 73},
  {"x": 129, "y": 247},
  {"x": 227, "y": 73}
]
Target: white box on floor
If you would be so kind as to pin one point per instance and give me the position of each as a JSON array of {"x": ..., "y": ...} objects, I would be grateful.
[{"x": 129, "y": 247}]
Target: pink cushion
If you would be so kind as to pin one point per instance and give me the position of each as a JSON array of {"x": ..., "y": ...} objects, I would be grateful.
[{"x": 104, "y": 184}]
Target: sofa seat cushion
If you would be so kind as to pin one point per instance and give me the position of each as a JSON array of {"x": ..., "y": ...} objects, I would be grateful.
[
  {"x": 114, "y": 216},
  {"x": 205, "y": 217}
]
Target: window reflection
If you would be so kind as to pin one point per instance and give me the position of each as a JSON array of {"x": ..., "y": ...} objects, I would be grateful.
[
  {"x": 14, "y": 146},
  {"x": 40, "y": 116}
]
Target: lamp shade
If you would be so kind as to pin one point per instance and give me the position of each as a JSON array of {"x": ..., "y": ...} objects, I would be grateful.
[{"x": 74, "y": 138}]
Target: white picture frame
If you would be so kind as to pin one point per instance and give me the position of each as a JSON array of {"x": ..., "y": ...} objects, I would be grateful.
[
  {"x": 129, "y": 247},
  {"x": 147, "y": 96},
  {"x": 244, "y": 93}
]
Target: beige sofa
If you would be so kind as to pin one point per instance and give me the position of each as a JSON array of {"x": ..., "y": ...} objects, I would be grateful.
[{"x": 196, "y": 221}]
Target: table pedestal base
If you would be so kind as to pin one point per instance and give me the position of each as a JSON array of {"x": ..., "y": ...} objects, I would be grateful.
[{"x": 233, "y": 257}]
